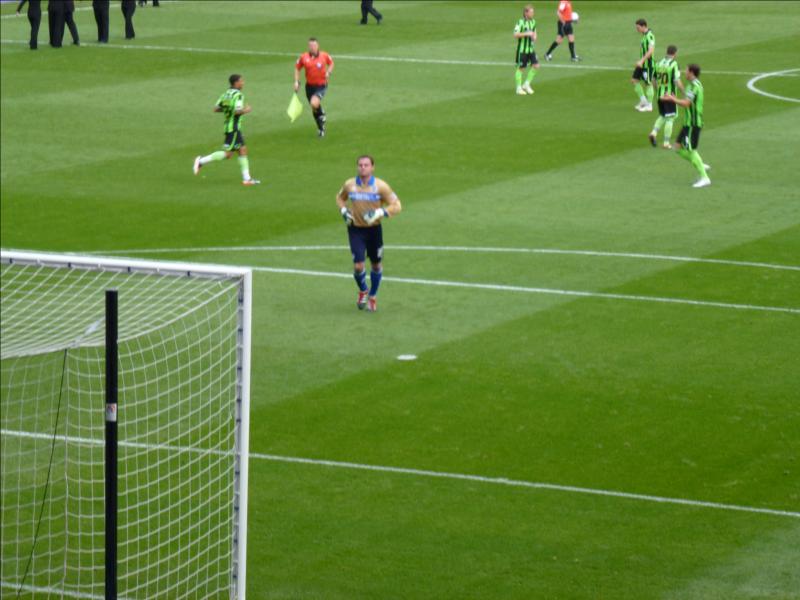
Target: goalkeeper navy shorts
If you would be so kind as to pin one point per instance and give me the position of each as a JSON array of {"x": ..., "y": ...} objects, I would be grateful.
[{"x": 366, "y": 241}]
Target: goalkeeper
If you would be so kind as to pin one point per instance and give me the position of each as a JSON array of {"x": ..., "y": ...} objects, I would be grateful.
[{"x": 371, "y": 200}]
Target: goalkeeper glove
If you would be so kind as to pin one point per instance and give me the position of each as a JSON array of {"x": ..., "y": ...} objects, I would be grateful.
[
  {"x": 373, "y": 216},
  {"x": 347, "y": 216}
]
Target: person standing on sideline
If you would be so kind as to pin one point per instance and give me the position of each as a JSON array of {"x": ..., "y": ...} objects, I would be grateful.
[
  {"x": 55, "y": 22},
  {"x": 231, "y": 105},
  {"x": 69, "y": 8},
  {"x": 34, "y": 18},
  {"x": 100, "y": 8},
  {"x": 689, "y": 137},
  {"x": 525, "y": 34},
  {"x": 564, "y": 29},
  {"x": 368, "y": 9},
  {"x": 371, "y": 199},
  {"x": 128, "y": 8},
  {"x": 318, "y": 66}
]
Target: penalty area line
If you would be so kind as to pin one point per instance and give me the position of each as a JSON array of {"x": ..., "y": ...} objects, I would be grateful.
[
  {"x": 359, "y": 57},
  {"x": 475, "y": 249},
  {"x": 538, "y": 290},
  {"x": 420, "y": 473}
]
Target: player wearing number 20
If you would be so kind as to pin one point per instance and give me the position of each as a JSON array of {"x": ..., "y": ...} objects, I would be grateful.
[{"x": 371, "y": 200}]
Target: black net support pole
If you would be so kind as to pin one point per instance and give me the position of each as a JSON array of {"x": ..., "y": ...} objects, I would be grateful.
[{"x": 112, "y": 373}]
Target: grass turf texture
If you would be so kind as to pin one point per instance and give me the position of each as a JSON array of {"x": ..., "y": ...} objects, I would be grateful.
[{"x": 665, "y": 399}]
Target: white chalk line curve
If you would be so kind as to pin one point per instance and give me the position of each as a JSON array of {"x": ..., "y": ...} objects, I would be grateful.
[
  {"x": 423, "y": 473},
  {"x": 751, "y": 85}
]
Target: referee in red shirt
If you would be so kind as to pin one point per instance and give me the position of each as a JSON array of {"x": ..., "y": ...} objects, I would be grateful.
[{"x": 318, "y": 66}]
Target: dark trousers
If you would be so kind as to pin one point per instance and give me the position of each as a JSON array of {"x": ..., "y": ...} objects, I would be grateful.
[
  {"x": 128, "y": 8},
  {"x": 101, "y": 18},
  {"x": 35, "y": 20},
  {"x": 55, "y": 21},
  {"x": 73, "y": 29},
  {"x": 367, "y": 9}
]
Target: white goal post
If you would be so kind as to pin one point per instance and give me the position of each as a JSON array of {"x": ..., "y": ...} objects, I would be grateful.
[{"x": 184, "y": 345}]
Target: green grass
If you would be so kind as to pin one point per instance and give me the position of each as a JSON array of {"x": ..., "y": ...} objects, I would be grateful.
[{"x": 673, "y": 400}]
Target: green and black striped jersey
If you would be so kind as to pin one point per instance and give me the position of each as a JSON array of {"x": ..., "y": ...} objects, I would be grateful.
[
  {"x": 525, "y": 44},
  {"x": 231, "y": 101},
  {"x": 667, "y": 76},
  {"x": 693, "y": 117},
  {"x": 648, "y": 41}
]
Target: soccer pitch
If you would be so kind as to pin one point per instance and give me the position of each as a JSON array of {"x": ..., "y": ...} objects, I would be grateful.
[{"x": 604, "y": 402}]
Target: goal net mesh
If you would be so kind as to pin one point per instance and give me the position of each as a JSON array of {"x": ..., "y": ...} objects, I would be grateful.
[{"x": 180, "y": 361}]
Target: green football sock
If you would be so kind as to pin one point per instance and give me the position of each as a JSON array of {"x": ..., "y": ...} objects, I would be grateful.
[
  {"x": 531, "y": 75},
  {"x": 668, "y": 129},
  {"x": 650, "y": 94},
  {"x": 244, "y": 165},
  {"x": 695, "y": 159},
  {"x": 518, "y": 77},
  {"x": 659, "y": 122},
  {"x": 639, "y": 90}
]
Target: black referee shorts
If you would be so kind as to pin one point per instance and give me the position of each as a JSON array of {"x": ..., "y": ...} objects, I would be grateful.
[{"x": 564, "y": 29}]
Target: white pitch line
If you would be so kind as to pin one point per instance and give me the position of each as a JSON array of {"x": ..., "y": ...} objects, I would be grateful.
[
  {"x": 426, "y": 473},
  {"x": 538, "y": 290},
  {"x": 50, "y": 591},
  {"x": 751, "y": 85},
  {"x": 477, "y": 249},
  {"x": 359, "y": 57}
]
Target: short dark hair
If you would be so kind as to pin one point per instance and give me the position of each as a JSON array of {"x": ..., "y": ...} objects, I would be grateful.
[
  {"x": 371, "y": 160},
  {"x": 695, "y": 68},
  {"x": 313, "y": 39},
  {"x": 672, "y": 50},
  {"x": 234, "y": 78},
  {"x": 641, "y": 23}
]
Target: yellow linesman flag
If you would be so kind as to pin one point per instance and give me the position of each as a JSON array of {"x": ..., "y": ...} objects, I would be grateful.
[{"x": 295, "y": 108}]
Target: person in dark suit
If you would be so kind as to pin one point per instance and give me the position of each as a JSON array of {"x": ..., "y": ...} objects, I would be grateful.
[
  {"x": 100, "y": 8},
  {"x": 368, "y": 9},
  {"x": 55, "y": 21},
  {"x": 69, "y": 8},
  {"x": 128, "y": 8},
  {"x": 34, "y": 18}
]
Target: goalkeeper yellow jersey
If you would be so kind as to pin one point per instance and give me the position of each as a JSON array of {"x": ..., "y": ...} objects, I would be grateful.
[{"x": 366, "y": 196}]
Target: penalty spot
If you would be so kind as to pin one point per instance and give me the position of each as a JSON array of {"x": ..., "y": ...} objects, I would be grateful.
[{"x": 407, "y": 357}]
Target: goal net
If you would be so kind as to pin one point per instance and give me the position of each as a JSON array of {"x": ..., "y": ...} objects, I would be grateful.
[{"x": 184, "y": 354}]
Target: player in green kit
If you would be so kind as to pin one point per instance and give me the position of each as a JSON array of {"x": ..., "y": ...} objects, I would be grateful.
[
  {"x": 645, "y": 68},
  {"x": 689, "y": 137},
  {"x": 525, "y": 34},
  {"x": 231, "y": 105},
  {"x": 667, "y": 79}
]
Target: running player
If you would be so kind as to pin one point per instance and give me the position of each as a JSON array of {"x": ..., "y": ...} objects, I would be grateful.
[
  {"x": 525, "y": 34},
  {"x": 564, "y": 29},
  {"x": 318, "y": 66},
  {"x": 232, "y": 105},
  {"x": 645, "y": 67},
  {"x": 689, "y": 137},
  {"x": 371, "y": 199},
  {"x": 667, "y": 79}
]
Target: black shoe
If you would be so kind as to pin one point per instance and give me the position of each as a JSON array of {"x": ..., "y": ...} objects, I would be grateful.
[
  {"x": 379, "y": 19},
  {"x": 362, "y": 22},
  {"x": 652, "y": 139},
  {"x": 321, "y": 133}
]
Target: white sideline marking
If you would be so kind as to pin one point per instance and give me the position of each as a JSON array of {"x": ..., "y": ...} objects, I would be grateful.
[
  {"x": 479, "y": 249},
  {"x": 751, "y": 85},
  {"x": 395, "y": 59},
  {"x": 425, "y": 473},
  {"x": 536, "y": 290}
]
